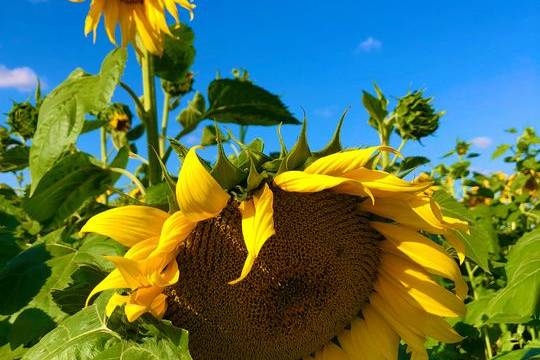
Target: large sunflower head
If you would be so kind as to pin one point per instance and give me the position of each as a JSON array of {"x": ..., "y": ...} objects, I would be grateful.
[
  {"x": 310, "y": 255},
  {"x": 143, "y": 18}
]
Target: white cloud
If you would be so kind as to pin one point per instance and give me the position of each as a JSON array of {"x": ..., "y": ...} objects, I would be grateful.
[
  {"x": 20, "y": 78},
  {"x": 368, "y": 45},
  {"x": 482, "y": 142}
]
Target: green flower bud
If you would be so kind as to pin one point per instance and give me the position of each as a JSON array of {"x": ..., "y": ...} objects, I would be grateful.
[
  {"x": 179, "y": 88},
  {"x": 118, "y": 116},
  {"x": 415, "y": 117},
  {"x": 462, "y": 147},
  {"x": 4, "y": 138},
  {"x": 23, "y": 118}
]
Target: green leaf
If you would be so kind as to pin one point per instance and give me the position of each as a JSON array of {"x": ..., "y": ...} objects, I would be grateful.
[
  {"x": 211, "y": 134},
  {"x": 15, "y": 158},
  {"x": 520, "y": 299},
  {"x": 241, "y": 102},
  {"x": 193, "y": 114},
  {"x": 61, "y": 116},
  {"x": 178, "y": 54},
  {"x": 500, "y": 150},
  {"x": 29, "y": 327},
  {"x": 65, "y": 188},
  {"x": 9, "y": 247},
  {"x": 376, "y": 109},
  {"x": 91, "y": 125},
  {"x": 528, "y": 353},
  {"x": 89, "y": 335},
  {"x": 410, "y": 163}
]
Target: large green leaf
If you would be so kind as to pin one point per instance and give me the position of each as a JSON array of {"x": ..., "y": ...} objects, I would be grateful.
[
  {"x": 65, "y": 188},
  {"x": 89, "y": 334},
  {"x": 178, "y": 54},
  {"x": 520, "y": 299},
  {"x": 193, "y": 114},
  {"x": 61, "y": 116},
  {"x": 241, "y": 102},
  {"x": 481, "y": 236}
]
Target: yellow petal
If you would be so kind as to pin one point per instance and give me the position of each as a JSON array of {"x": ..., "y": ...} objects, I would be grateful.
[
  {"x": 343, "y": 162},
  {"x": 134, "y": 311},
  {"x": 384, "y": 338},
  {"x": 114, "y": 280},
  {"x": 419, "y": 321},
  {"x": 421, "y": 290},
  {"x": 199, "y": 195},
  {"x": 257, "y": 226},
  {"x": 153, "y": 271},
  {"x": 416, "y": 211},
  {"x": 115, "y": 301},
  {"x": 403, "y": 241},
  {"x": 331, "y": 352},
  {"x": 142, "y": 249},
  {"x": 111, "y": 18},
  {"x": 300, "y": 181},
  {"x": 159, "y": 306},
  {"x": 143, "y": 300},
  {"x": 350, "y": 346},
  {"x": 174, "y": 232},
  {"x": 364, "y": 341},
  {"x": 457, "y": 244},
  {"x": 127, "y": 224},
  {"x": 383, "y": 184}
]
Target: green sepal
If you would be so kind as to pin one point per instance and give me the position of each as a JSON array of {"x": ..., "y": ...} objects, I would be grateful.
[
  {"x": 173, "y": 203},
  {"x": 283, "y": 148},
  {"x": 299, "y": 153},
  {"x": 178, "y": 148},
  {"x": 225, "y": 172},
  {"x": 254, "y": 177},
  {"x": 334, "y": 145}
]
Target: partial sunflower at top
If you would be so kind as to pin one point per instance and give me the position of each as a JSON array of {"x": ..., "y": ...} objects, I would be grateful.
[
  {"x": 143, "y": 18},
  {"x": 326, "y": 260}
]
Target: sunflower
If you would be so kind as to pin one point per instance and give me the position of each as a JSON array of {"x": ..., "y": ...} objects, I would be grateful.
[
  {"x": 331, "y": 261},
  {"x": 145, "y": 18}
]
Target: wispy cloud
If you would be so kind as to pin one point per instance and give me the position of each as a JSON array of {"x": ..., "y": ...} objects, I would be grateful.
[
  {"x": 20, "y": 78},
  {"x": 483, "y": 142},
  {"x": 369, "y": 45}
]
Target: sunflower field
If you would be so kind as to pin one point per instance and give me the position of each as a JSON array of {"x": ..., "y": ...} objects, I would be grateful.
[{"x": 337, "y": 253}]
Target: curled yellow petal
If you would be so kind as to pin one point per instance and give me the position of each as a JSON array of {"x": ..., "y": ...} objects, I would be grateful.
[
  {"x": 115, "y": 301},
  {"x": 300, "y": 181},
  {"x": 199, "y": 195},
  {"x": 175, "y": 230},
  {"x": 114, "y": 280},
  {"x": 457, "y": 244},
  {"x": 128, "y": 225},
  {"x": 383, "y": 184},
  {"x": 341, "y": 163},
  {"x": 257, "y": 226}
]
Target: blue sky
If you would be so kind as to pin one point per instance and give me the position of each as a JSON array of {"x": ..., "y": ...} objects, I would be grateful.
[{"x": 480, "y": 60}]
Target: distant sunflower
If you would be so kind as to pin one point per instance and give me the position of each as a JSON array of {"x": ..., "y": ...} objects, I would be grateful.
[
  {"x": 146, "y": 18},
  {"x": 336, "y": 265}
]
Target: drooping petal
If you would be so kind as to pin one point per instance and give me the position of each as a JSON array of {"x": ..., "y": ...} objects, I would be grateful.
[
  {"x": 457, "y": 244},
  {"x": 385, "y": 185},
  {"x": 115, "y": 301},
  {"x": 341, "y": 163},
  {"x": 199, "y": 195},
  {"x": 127, "y": 224},
  {"x": 401, "y": 240},
  {"x": 330, "y": 352},
  {"x": 114, "y": 280},
  {"x": 300, "y": 181},
  {"x": 142, "y": 301},
  {"x": 421, "y": 289},
  {"x": 153, "y": 271},
  {"x": 175, "y": 230},
  {"x": 111, "y": 19},
  {"x": 257, "y": 226},
  {"x": 364, "y": 341}
]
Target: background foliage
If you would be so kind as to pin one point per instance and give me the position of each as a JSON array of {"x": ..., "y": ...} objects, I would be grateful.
[{"x": 47, "y": 268}]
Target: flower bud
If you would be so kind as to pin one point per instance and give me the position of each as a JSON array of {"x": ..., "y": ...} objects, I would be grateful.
[
  {"x": 415, "y": 117},
  {"x": 23, "y": 118},
  {"x": 179, "y": 88},
  {"x": 118, "y": 116}
]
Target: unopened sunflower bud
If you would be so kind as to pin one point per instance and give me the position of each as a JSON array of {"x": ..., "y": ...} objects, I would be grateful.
[
  {"x": 23, "y": 118},
  {"x": 415, "y": 117},
  {"x": 4, "y": 138},
  {"x": 179, "y": 88},
  {"x": 118, "y": 116},
  {"x": 462, "y": 147}
]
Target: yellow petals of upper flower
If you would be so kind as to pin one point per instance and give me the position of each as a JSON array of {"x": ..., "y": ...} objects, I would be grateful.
[
  {"x": 199, "y": 195},
  {"x": 127, "y": 224},
  {"x": 341, "y": 163},
  {"x": 257, "y": 226},
  {"x": 146, "y": 18}
]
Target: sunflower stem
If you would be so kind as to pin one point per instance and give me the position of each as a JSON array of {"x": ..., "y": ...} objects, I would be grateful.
[
  {"x": 164, "y": 123},
  {"x": 400, "y": 147},
  {"x": 150, "y": 117},
  {"x": 103, "y": 143},
  {"x": 483, "y": 329}
]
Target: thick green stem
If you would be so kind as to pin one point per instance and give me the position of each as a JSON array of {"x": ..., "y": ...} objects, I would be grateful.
[
  {"x": 150, "y": 118},
  {"x": 483, "y": 329},
  {"x": 164, "y": 123},
  {"x": 243, "y": 133}
]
